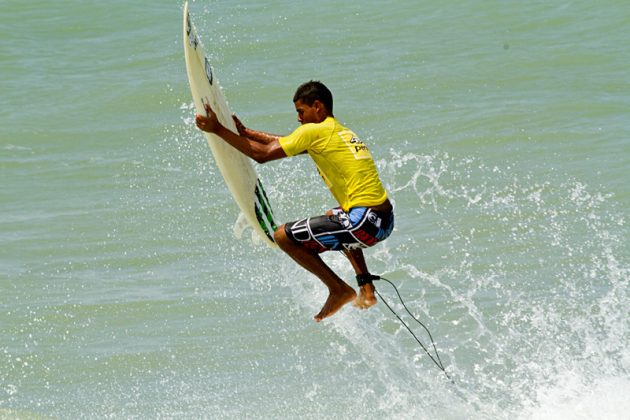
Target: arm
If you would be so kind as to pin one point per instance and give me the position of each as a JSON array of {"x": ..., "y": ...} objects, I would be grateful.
[
  {"x": 260, "y": 151},
  {"x": 259, "y": 136}
]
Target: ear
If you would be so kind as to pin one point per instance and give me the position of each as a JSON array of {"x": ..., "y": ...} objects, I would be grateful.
[{"x": 319, "y": 107}]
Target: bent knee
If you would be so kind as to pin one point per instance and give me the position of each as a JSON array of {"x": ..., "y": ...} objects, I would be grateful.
[{"x": 280, "y": 236}]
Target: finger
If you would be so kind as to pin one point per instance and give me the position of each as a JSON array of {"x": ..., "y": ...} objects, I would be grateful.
[{"x": 206, "y": 106}]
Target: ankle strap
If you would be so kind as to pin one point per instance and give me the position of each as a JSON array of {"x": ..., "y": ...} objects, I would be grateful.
[{"x": 366, "y": 278}]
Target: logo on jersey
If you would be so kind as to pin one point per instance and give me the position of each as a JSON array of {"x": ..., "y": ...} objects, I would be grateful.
[{"x": 356, "y": 146}]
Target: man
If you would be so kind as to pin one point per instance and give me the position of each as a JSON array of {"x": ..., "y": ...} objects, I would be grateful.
[{"x": 365, "y": 215}]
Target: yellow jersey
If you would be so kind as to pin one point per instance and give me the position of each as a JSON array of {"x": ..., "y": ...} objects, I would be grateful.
[{"x": 343, "y": 161}]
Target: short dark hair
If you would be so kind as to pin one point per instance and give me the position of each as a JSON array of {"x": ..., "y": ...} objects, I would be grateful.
[{"x": 314, "y": 90}]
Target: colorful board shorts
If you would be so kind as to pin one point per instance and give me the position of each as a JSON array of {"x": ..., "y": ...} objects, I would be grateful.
[{"x": 361, "y": 227}]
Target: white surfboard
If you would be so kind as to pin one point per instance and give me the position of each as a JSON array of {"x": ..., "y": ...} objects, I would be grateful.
[{"x": 236, "y": 168}]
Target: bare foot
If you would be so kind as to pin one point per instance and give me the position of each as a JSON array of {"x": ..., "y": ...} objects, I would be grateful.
[
  {"x": 366, "y": 297},
  {"x": 335, "y": 301}
]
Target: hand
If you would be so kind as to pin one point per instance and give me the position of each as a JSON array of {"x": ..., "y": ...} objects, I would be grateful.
[
  {"x": 209, "y": 123},
  {"x": 239, "y": 126}
]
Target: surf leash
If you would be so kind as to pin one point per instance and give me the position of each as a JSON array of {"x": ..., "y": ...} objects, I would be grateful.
[{"x": 368, "y": 278}]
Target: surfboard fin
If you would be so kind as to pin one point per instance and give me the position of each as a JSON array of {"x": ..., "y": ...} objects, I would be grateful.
[
  {"x": 240, "y": 225},
  {"x": 256, "y": 239}
]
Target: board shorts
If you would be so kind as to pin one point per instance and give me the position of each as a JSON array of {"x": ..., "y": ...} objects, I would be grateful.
[{"x": 361, "y": 227}]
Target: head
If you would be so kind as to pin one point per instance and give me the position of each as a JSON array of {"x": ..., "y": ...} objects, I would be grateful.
[{"x": 313, "y": 102}]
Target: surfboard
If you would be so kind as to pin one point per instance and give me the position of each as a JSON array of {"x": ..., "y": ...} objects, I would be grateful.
[{"x": 236, "y": 168}]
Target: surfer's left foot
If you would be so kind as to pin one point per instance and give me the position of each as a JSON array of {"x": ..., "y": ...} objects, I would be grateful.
[
  {"x": 366, "y": 297},
  {"x": 336, "y": 299}
]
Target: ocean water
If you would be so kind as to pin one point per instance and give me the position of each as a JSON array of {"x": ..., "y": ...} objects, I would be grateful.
[{"x": 501, "y": 130}]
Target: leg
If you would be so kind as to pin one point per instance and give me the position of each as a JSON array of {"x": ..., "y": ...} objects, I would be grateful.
[
  {"x": 339, "y": 291},
  {"x": 366, "y": 296}
]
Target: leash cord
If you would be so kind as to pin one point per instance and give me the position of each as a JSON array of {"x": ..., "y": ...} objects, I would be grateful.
[{"x": 437, "y": 362}]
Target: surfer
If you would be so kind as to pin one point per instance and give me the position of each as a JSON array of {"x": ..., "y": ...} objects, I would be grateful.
[{"x": 365, "y": 214}]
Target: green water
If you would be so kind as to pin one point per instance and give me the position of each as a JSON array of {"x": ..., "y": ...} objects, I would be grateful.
[{"x": 500, "y": 129}]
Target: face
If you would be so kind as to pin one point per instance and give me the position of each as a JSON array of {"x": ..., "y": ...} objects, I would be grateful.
[{"x": 309, "y": 113}]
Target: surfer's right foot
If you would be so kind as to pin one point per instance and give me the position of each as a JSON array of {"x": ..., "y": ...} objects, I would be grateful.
[
  {"x": 335, "y": 301},
  {"x": 366, "y": 297}
]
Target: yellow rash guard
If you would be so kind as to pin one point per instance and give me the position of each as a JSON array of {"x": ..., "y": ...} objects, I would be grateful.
[{"x": 343, "y": 161}]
